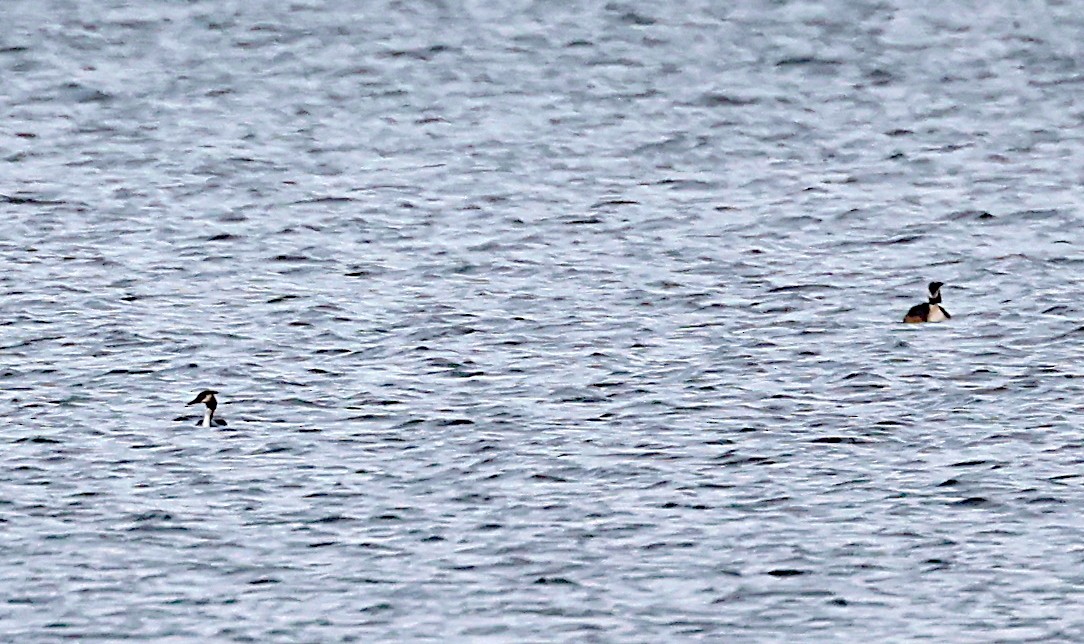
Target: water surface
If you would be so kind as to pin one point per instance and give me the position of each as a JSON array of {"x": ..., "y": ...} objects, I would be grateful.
[{"x": 540, "y": 321}]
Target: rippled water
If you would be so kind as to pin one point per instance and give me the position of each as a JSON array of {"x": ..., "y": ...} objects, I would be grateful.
[{"x": 541, "y": 321}]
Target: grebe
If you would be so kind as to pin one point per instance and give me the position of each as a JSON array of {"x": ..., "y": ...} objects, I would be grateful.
[
  {"x": 207, "y": 397},
  {"x": 932, "y": 310}
]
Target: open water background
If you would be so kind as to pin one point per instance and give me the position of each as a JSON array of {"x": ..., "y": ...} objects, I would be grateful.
[{"x": 541, "y": 321}]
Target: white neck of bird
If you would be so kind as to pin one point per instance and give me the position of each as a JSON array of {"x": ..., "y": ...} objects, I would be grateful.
[{"x": 207, "y": 414}]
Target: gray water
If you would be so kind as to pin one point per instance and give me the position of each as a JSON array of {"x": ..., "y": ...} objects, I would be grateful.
[{"x": 541, "y": 321}]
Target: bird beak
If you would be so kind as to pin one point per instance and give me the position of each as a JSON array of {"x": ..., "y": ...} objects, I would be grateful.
[{"x": 196, "y": 400}]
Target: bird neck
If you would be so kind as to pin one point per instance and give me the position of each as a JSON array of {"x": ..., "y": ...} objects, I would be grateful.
[{"x": 208, "y": 414}]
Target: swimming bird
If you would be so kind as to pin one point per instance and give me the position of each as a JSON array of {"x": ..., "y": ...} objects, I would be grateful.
[
  {"x": 932, "y": 310},
  {"x": 207, "y": 397}
]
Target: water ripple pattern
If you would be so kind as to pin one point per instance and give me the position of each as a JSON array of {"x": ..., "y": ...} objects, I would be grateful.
[{"x": 541, "y": 321}]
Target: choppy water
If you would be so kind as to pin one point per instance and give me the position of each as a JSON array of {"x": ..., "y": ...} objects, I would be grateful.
[{"x": 541, "y": 321}]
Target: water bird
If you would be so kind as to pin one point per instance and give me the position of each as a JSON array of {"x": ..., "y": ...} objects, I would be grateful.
[
  {"x": 207, "y": 397},
  {"x": 931, "y": 311}
]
